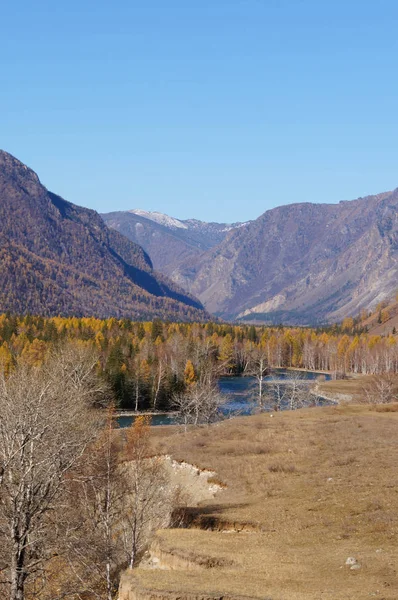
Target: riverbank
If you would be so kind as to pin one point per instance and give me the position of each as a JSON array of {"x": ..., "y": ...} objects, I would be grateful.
[
  {"x": 145, "y": 413},
  {"x": 343, "y": 390},
  {"x": 239, "y": 391},
  {"x": 317, "y": 372}
]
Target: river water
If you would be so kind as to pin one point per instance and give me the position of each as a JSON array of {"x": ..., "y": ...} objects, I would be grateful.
[{"x": 240, "y": 395}]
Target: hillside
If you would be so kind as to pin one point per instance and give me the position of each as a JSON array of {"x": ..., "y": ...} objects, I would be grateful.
[
  {"x": 168, "y": 241},
  {"x": 383, "y": 321},
  {"x": 304, "y": 491},
  {"x": 59, "y": 258},
  {"x": 301, "y": 263}
]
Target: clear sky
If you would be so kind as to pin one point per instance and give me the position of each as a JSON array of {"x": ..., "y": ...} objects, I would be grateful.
[{"x": 214, "y": 109}]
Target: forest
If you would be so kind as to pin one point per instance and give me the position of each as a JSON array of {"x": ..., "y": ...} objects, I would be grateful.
[{"x": 146, "y": 364}]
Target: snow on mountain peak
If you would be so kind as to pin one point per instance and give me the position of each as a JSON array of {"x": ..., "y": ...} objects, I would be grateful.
[
  {"x": 235, "y": 226},
  {"x": 160, "y": 218}
]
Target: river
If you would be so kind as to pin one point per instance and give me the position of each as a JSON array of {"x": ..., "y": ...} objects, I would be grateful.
[{"x": 240, "y": 393}]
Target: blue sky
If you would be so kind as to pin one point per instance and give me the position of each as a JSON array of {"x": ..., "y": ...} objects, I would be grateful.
[{"x": 214, "y": 109}]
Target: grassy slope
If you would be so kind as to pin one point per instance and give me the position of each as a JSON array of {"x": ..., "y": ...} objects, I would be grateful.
[
  {"x": 319, "y": 484},
  {"x": 386, "y": 328}
]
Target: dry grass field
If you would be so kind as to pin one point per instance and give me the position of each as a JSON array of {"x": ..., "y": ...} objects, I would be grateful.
[{"x": 304, "y": 491}]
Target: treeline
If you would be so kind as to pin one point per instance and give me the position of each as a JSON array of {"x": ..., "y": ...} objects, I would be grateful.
[{"x": 148, "y": 363}]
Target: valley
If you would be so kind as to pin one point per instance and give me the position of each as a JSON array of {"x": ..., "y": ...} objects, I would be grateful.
[
  {"x": 299, "y": 264},
  {"x": 199, "y": 300},
  {"x": 168, "y": 241},
  {"x": 271, "y": 474}
]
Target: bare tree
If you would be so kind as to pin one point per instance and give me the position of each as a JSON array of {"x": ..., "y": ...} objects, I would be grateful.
[
  {"x": 137, "y": 381},
  {"x": 290, "y": 393},
  {"x": 276, "y": 394},
  {"x": 94, "y": 508},
  {"x": 381, "y": 389},
  {"x": 46, "y": 422},
  {"x": 200, "y": 404},
  {"x": 158, "y": 379},
  {"x": 258, "y": 368},
  {"x": 298, "y": 390},
  {"x": 118, "y": 496}
]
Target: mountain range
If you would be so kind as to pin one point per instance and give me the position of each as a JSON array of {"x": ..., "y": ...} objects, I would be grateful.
[
  {"x": 169, "y": 242},
  {"x": 299, "y": 263},
  {"x": 59, "y": 258}
]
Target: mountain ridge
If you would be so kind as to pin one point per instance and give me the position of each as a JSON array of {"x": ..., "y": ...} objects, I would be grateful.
[
  {"x": 69, "y": 262},
  {"x": 167, "y": 240},
  {"x": 301, "y": 263}
]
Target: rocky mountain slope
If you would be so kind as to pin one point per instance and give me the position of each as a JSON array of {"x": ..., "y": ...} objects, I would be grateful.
[
  {"x": 168, "y": 241},
  {"x": 301, "y": 263},
  {"x": 59, "y": 258}
]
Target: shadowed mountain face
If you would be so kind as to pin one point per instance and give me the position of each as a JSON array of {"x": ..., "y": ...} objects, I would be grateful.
[
  {"x": 168, "y": 241},
  {"x": 302, "y": 263},
  {"x": 59, "y": 258}
]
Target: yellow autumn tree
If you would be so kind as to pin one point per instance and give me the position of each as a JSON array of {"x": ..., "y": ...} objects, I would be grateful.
[
  {"x": 227, "y": 352},
  {"x": 6, "y": 359},
  {"x": 35, "y": 353},
  {"x": 189, "y": 373}
]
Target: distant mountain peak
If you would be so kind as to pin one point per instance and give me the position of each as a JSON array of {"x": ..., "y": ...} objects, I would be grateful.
[
  {"x": 168, "y": 240},
  {"x": 173, "y": 223},
  {"x": 160, "y": 218}
]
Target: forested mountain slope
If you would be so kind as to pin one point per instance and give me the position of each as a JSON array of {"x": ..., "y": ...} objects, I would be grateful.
[
  {"x": 301, "y": 263},
  {"x": 59, "y": 258}
]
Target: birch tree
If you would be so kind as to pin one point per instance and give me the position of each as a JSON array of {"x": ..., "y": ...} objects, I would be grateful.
[
  {"x": 258, "y": 368},
  {"x": 290, "y": 393},
  {"x": 200, "y": 404}
]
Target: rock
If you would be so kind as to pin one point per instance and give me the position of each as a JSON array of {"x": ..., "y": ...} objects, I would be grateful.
[
  {"x": 355, "y": 567},
  {"x": 351, "y": 560}
]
